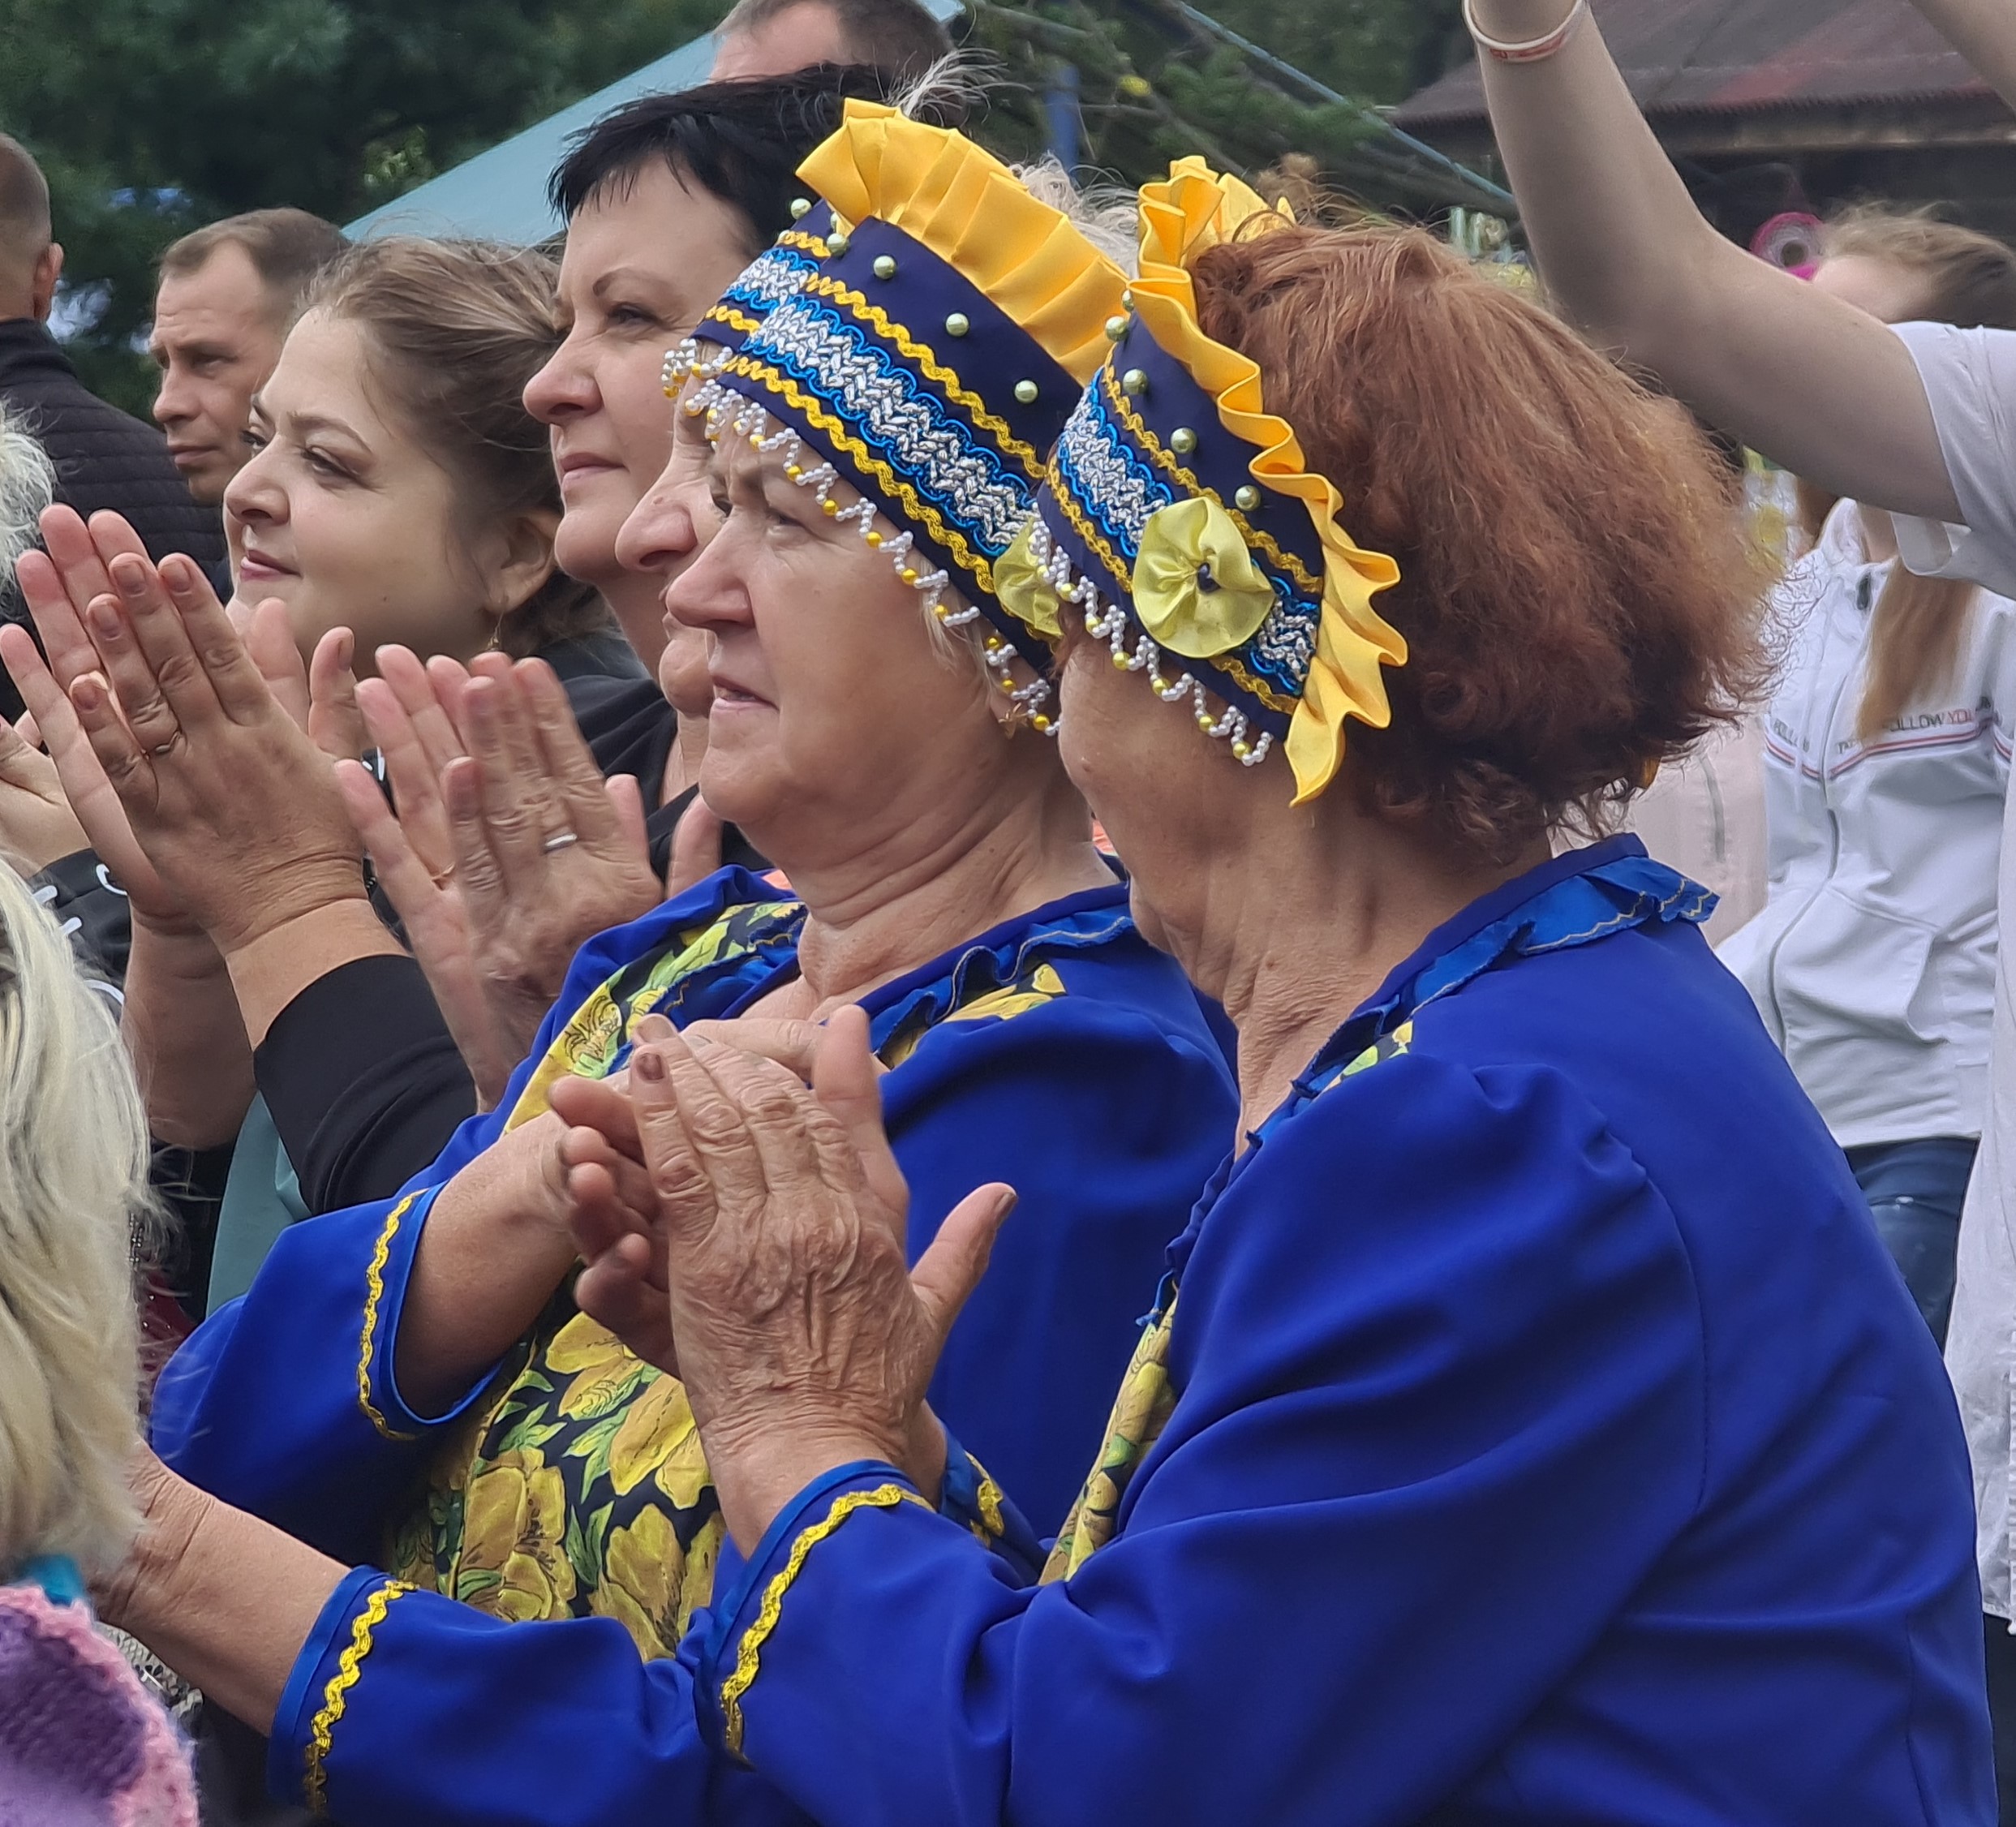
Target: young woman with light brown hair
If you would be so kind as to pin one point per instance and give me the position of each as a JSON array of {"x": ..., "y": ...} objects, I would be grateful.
[{"x": 1887, "y": 758}]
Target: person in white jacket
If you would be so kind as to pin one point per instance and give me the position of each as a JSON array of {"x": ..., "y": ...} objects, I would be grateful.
[
  {"x": 1886, "y": 766},
  {"x": 1920, "y": 420}
]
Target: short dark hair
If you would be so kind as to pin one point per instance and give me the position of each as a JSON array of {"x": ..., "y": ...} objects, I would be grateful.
[
  {"x": 288, "y": 249},
  {"x": 24, "y": 222},
  {"x": 744, "y": 141},
  {"x": 898, "y": 35}
]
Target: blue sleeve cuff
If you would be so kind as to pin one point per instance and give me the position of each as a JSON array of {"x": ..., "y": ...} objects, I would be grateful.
[
  {"x": 388, "y": 1276},
  {"x": 742, "y": 1622},
  {"x": 735, "y": 1578},
  {"x": 318, "y": 1684}
]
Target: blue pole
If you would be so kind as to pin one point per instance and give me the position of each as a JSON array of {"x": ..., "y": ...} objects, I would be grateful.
[{"x": 1060, "y": 104}]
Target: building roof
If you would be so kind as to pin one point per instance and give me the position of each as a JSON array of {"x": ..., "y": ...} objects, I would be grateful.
[
  {"x": 1708, "y": 57},
  {"x": 500, "y": 195}
]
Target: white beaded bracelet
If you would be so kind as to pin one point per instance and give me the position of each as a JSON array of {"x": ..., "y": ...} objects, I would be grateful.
[{"x": 1531, "y": 50}]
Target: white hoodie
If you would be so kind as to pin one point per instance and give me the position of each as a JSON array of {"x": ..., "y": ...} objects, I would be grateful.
[{"x": 1873, "y": 962}]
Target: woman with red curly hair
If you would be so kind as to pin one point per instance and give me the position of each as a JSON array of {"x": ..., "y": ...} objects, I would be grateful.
[{"x": 1530, "y": 1426}]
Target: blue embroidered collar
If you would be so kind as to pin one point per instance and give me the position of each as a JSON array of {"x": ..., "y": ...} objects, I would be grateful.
[
  {"x": 1576, "y": 899},
  {"x": 927, "y": 995},
  {"x": 921, "y": 998}
]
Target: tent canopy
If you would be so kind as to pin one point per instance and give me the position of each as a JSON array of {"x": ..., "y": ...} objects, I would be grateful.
[{"x": 500, "y": 195}]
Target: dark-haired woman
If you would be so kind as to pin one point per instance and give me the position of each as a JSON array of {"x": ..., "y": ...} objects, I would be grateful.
[
  {"x": 666, "y": 201},
  {"x": 1530, "y": 1426}
]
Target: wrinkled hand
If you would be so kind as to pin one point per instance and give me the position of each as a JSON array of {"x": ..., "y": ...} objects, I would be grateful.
[
  {"x": 616, "y": 1232},
  {"x": 804, "y": 1338},
  {"x": 488, "y": 770}
]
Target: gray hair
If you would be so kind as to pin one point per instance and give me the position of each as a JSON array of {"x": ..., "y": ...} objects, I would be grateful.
[
  {"x": 28, "y": 483},
  {"x": 73, "y": 1185}
]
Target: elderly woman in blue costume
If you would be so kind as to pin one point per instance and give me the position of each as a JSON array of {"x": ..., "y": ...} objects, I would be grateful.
[
  {"x": 410, "y": 1386},
  {"x": 1529, "y": 1428}
]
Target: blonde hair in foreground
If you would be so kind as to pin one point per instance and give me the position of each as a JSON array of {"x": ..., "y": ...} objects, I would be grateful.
[
  {"x": 27, "y": 482},
  {"x": 73, "y": 1180}
]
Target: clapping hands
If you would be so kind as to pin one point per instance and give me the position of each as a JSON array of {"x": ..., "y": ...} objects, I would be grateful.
[
  {"x": 504, "y": 849},
  {"x": 769, "y": 1263},
  {"x": 168, "y": 736}
]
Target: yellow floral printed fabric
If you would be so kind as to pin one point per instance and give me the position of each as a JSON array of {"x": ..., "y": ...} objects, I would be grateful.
[
  {"x": 581, "y": 1491},
  {"x": 588, "y": 1046},
  {"x": 1140, "y": 1414},
  {"x": 1147, "y": 1398}
]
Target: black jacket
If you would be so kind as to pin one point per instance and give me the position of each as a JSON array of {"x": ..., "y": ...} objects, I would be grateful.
[{"x": 104, "y": 457}]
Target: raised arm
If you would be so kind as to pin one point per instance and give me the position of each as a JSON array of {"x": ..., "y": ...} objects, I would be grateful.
[
  {"x": 1983, "y": 32},
  {"x": 1812, "y": 383}
]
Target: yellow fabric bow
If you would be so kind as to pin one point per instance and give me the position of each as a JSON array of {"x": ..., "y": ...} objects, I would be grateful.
[
  {"x": 1021, "y": 587},
  {"x": 1196, "y": 587},
  {"x": 1196, "y": 208}
]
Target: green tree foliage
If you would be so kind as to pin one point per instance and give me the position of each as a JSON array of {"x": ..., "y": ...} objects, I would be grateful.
[
  {"x": 1154, "y": 83},
  {"x": 153, "y": 116}
]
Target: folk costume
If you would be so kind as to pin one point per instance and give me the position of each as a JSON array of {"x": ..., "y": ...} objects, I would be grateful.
[
  {"x": 1530, "y": 1426},
  {"x": 565, "y": 1501}
]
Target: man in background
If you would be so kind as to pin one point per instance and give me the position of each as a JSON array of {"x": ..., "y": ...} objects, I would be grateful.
[
  {"x": 228, "y": 295},
  {"x": 777, "y": 38},
  {"x": 103, "y": 457}
]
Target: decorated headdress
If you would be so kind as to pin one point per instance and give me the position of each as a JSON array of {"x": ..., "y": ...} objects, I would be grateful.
[
  {"x": 1181, "y": 520},
  {"x": 926, "y": 346}
]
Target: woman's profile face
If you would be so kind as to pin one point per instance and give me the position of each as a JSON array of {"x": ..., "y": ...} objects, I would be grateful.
[
  {"x": 837, "y": 716},
  {"x": 658, "y": 541},
  {"x": 1167, "y": 796},
  {"x": 344, "y": 516},
  {"x": 644, "y": 258}
]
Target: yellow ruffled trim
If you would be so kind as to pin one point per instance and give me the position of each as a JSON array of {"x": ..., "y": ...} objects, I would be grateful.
[
  {"x": 335, "y": 1695},
  {"x": 970, "y": 210},
  {"x": 1193, "y": 209}
]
